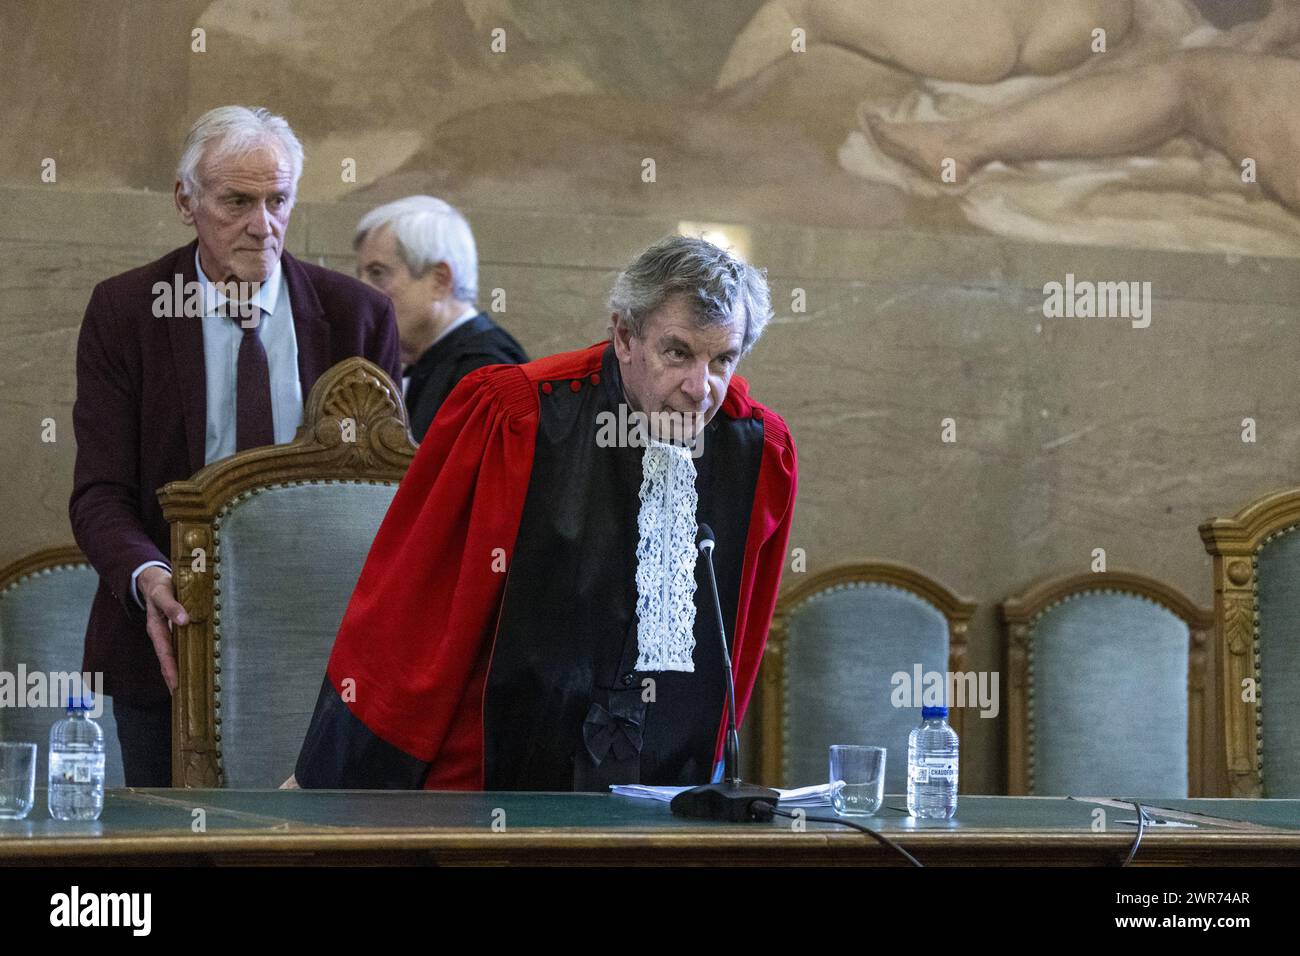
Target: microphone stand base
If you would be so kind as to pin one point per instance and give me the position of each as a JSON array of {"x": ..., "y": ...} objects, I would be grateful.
[{"x": 734, "y": 802}]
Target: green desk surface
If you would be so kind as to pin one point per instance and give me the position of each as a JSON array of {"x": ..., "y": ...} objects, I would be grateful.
[
  {"x": 130, "y": 812},
  {"x": 542, "y": 827}
]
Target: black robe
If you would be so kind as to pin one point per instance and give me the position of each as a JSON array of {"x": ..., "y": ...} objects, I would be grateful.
[
  {"x": 564, "y": 707},
  {"x": 473, "y": 344}
]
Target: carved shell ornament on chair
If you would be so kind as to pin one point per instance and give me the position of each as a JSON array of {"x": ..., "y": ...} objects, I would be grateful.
[{"x": 370, "y": 406}]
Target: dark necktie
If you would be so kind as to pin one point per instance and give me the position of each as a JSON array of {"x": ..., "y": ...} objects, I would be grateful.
[{"x": 253, "y": 423}]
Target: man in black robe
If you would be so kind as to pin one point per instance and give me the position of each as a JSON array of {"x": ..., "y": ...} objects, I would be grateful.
[{"x": 420, "y": 252}]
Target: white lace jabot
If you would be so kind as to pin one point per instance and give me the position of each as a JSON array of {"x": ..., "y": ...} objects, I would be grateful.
[{"x": 665, "y": 560}]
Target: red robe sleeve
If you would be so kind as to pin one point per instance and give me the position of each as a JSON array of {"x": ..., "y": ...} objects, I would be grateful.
[
  {"x": 765, "y": 555},
  {"x": 401, "y": 705}
]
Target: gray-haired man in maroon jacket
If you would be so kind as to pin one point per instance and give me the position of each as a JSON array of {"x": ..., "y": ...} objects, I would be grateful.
[{"x": 209, "y": 350}]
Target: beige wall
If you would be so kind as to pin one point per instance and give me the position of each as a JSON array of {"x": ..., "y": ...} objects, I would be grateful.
[{"x": 1072, "y": 434}]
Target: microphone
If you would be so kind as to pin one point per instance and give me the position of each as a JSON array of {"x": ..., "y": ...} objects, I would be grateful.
[
  {"x": 704, "y": 542},
  {"x": 730, "y": 800}
]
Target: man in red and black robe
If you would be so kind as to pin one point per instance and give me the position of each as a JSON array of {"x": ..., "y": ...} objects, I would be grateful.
[{"x": 532, "y": 615}]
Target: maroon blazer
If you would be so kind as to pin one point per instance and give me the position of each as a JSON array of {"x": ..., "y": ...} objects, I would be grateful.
[{"x": 141, "y": 417}]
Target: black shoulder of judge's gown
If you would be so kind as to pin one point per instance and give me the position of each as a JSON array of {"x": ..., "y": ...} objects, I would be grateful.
[{"x": 472, "y": 344}]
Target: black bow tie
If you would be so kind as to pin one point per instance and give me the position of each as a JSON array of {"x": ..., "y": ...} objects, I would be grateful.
[{"x": 603, "y": 733}]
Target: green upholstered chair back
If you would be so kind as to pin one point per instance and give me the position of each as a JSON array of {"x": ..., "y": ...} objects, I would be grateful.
[
  {"x": 45, "y": 600},
  {"x": 267, "y": 548},
  {"x": 1107, "y": 680},
  {"x": 287, "y": 558},
  {"x": 838, "y": 642},
  {"x": 1257, "y": 645},
  {"x": 1277, "y": 639}
]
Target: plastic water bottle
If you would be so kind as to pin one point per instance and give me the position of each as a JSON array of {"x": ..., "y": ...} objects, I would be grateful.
[
  {"x": 932, "y": 766},
  {"x": 76, "y": 765}
]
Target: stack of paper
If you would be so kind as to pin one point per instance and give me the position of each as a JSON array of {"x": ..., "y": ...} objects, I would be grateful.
[{"x": 814, "y": 796}]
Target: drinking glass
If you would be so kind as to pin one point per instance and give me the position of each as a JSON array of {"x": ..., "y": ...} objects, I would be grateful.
[
  {"x": 857, "y": 779},
  {"x": 17, "y": 780}
]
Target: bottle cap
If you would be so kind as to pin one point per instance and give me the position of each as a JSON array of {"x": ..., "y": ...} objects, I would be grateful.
[
  {"x": 78, "y": 703},
  {"x": 931, "y": 713}
]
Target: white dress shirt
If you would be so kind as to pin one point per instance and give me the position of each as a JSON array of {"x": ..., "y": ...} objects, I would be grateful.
[{"x": 221, "y": 340}]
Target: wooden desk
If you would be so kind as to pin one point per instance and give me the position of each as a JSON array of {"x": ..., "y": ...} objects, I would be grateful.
[{"x": 322, "y": 827}]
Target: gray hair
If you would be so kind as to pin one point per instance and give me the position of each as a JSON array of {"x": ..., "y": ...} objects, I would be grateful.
[
  {"x": 428, "y": 231},
  {"x": 716, "y": 283},
  {"x": 233, "y": 131}
]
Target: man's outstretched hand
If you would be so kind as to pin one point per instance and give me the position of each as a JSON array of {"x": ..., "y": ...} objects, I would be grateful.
[{"x": 162, "y": 610}]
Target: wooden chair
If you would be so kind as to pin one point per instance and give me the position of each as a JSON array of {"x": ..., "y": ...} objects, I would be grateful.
[
  {"x": 1105, "y": 688},
  {"x": 1257, "y": 645},
  {"x": 838, "y": 641},
  {"x": 267, "y": 546},
  {"x": 45, "y": 599}
]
